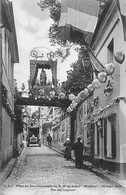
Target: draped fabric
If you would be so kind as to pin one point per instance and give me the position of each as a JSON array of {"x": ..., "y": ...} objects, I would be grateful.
[
  {"x": 78, "y": 15},
  {"x": 33, "y": 72},
  {"x": 54, "y": 72},
  {"x": 35, "y": 65}
]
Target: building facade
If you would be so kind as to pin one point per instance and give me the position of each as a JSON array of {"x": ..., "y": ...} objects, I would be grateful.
[
  {"x": 9, "y": 56},
  {"x": 110, "y": 110}
]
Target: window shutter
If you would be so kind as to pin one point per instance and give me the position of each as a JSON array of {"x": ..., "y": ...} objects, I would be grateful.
[{"x": 105, "y": 136}]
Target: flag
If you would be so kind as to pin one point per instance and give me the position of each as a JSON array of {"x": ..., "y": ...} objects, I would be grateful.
[
  {"x": 80, "y": 16},
  {"x": 122, "y": 8}
]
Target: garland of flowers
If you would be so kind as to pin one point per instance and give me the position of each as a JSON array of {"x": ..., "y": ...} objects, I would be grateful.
[
  {"x": 6, "y": 104},
  {"x": 112, "y": 103}
]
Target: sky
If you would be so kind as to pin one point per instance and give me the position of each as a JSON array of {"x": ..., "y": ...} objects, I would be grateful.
[{"x": 32, "y": 31}]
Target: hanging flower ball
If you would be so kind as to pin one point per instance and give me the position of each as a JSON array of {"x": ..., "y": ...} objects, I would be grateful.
[
  {"x": 69, "y": 109},
  {"x": 71, "y": 97},
  {"x": 96, "y": 84},
  {"x": 74, "y": 103},
  {"x": 62, "y": 95},
  {"x": 52, "y": 94},
  {"x": 72, "y": 106},
  {"x": 41, "y": 92},
  {"x": 110, "y": 68},
  {"x": 119, "y": 57},
  {"x": 90, "y": 88},
  {"x": 76, "y": 99},
  {"x": 102, "y": 77},
  {"x": 83, "y": 94}
]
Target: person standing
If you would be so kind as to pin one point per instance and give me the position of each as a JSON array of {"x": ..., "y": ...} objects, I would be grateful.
[
  {"x": 78, "y": 150},
  {"x": 67, "y": 152},
  {"x": 49, "y": 140}
]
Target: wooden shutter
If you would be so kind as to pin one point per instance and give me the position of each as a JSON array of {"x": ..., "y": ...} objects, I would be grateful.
[{"x": 105, "y": 136}]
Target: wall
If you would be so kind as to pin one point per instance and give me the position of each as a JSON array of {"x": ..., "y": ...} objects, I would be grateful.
[{"x": 111, "y": 29}]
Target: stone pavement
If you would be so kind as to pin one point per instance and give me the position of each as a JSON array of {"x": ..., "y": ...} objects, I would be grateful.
[
  {"x": 44, "y": 171},
  {"x": 4, "y": 174},
  {"x": 112, "y": 177}
]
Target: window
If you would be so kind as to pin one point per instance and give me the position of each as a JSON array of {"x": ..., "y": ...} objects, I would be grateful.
[
  {"x": 96, "y": 139},
  {"x": 110, "y": 136}
]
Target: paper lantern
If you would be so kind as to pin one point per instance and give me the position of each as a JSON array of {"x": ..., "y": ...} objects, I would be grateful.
[
  {"x": 96, "y": 84},
  {"x": 62, "y": 95},
  {"x": 110, "y": 68},
  {"x": 83, "y": 94},
  {"x": 41, "y": 92},
  {"x": 90, "y": 88},
  {"x": 72, "y": 106},
  {"x": 76, "y": 99},
  {"x": 102, "y": 77},
  {"x": 71, "y": 97},
  {"x": 74, "y": 103},
  {"x": 119, "y": 57},
  {"x": 69, "y": 109},
  {"x": 52, "y": 94}
]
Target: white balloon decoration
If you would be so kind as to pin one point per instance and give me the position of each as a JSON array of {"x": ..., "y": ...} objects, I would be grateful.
[
  {"x": 110, "y": 68},
  {"x": 69, "y": 109},
  {"x": 71, "y": 97},
  {"x": 96, "y": 83},
  {"x": 62, "y": 95},
  {"x": 90, "y": 88},
  {"x": 74, "y": 103},
  {"x": 102, "y": 77},
  {"x": 77, "y": 99},
  {"x": 41, "y": 92},
  {"x": 52, "y": 94},
  {"x": 119, "y": 57},
  {"x": 83, "y": 94}
]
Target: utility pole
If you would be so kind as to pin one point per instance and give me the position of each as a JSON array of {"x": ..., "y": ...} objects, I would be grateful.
[{"x": 0, "y": 81}]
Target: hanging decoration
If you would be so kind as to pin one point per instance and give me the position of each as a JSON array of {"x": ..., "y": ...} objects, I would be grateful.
[
  {"x": 5, "y": 103},
  {"x": 96, "y": 101},
  {"x": 111, "y": 104},
  {"x": 119, "y": 57},
  {"x": 102, "y": 77},
  {"x": 52, "y": 94},
  {"x": 77, "y": 99},
  {"x": 96, "y": 84},
  {"x": 41, "y": 92},
  {"x": 62, "y": 95},
  {"x": 73, "y": 104},
  {"x": 83, "y": 94},
  {"x": 99, "y": 126},
  {"x": 110, "y": 68},
  {"x": 71, "y": 97},
  {"x": 108, "y": 89},
  {"x": 90, "y": 88},
  {"x": 69, "y": 109}
]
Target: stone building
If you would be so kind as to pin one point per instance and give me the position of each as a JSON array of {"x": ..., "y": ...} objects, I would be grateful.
[
  {"x": 110, "y": 109},
  {"x": 8, "y": 57}
]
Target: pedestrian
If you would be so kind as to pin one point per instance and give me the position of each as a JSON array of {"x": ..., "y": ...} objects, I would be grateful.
[
  {"x": 67, "y": 152},
  {"x": 78, "y": 150},
  {"x": 49, "y": 140}
]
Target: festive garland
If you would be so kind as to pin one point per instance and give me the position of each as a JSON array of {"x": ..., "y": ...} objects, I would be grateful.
[
  {"x": 6, "y": 104},
  {"x": 112, "y": 103}
]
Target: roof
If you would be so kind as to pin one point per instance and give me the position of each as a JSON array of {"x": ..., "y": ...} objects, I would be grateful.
[{"x": 102, "y": 13}]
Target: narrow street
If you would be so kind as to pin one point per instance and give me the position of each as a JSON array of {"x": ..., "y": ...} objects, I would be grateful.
[{"x": 45, "y": 171}]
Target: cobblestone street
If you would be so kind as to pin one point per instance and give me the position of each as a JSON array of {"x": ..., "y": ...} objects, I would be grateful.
[{"x": 45, "y": 171}]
